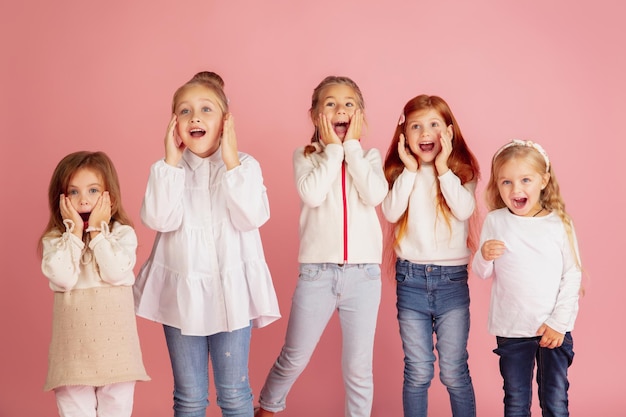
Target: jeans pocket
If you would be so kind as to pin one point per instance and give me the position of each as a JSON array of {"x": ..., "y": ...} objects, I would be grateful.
[
  {"x": 372, "y": 271},
  {"x": 456, "y": 274},
  {"x": 310, "y": 272},
  {"x": 402, "y": 271}
]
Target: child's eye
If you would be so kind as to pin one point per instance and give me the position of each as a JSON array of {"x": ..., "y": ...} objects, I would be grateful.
[
  {"x": 415, "y": 127},
  {"x": 330, "y": 104},
  {"x": 434, "y": 124},
  {"x": 526, "y": 180},
  {"x": 206, "y": 109},
  {"x": 94, "y": 190},
  {"x": 72, "y": 192},
  {"x": 184, "y": 111},
  {"x": 349, "y": 104},
  {"x": 506, "y": 182}
]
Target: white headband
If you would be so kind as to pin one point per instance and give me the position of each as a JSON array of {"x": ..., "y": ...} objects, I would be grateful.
[{"x": 528, "y": 143}]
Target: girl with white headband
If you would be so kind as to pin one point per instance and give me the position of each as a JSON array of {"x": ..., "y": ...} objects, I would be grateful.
[{"x": 528, "y": 245}]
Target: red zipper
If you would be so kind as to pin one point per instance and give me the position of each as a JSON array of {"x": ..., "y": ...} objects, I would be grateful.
[{"x": 345, "y": 213}]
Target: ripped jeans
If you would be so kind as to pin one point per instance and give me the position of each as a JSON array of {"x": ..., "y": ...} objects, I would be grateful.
[{"x": 189, "y": 356}]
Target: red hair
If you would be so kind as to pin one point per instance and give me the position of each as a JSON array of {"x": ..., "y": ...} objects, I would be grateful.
[{"x": 461, "y": 162}]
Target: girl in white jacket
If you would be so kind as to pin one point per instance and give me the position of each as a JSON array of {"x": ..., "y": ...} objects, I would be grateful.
[{"x": 340, "y": 185}]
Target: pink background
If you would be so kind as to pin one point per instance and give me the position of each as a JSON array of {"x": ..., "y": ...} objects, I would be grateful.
[{"x": 82, "y": 75}]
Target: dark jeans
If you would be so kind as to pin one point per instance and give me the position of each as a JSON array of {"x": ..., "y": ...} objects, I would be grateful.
[{"x": 517, "y": 362}]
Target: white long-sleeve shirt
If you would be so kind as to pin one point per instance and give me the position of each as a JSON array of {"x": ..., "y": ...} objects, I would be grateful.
[
  {"x": 536, "y": 280},
  {"x": 108, "y": 261},
  {"x": 207, "y": 271},
  {"x": 336, "y": 195},
  {"x": 428, "y": 238}
]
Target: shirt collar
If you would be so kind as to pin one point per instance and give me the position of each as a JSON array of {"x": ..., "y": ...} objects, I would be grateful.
[{"x": 194, "y": 161}]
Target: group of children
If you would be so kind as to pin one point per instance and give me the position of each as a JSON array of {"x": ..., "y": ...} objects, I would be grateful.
[{"x": 207, "y": 282}]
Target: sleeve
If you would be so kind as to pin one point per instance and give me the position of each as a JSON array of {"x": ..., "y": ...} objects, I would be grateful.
[
  {"x": 162, "y": 208},
  {"x": 61, "y": 258},
  {"x": 366, "y": 170},
  {"x": 481, "y": 267},
  {"x": 460, "y": 198},
  {"x": 246, "y": 196},
  {"x": 314, "y": 178},
  {"x": 115, "y": 253},
  {"x": 397, "y": 200},
  {"x": 566, "y": 307}
]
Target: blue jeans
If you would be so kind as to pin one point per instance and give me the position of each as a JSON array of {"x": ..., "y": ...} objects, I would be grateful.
[
  {"x": 190, "y": 363},
  {"x": 353, "y": 290},
  {"x": 517, "y": 362},
  {"x": 434, "y": 299}
]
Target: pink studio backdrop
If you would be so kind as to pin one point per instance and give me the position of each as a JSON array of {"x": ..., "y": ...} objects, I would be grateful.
[{"x": 82, "y": 75}]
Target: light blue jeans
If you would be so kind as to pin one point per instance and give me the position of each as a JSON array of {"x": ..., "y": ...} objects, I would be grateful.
[
  {"x": 353, "y": 290},
  {"x": 229, "y": 353},
  {"x": 434, "y": 299}
]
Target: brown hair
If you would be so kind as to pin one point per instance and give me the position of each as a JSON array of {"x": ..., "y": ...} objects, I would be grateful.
[
  {"x": 462, "y": 162},
  {"x": 101, "y": 164},
  {"x": 208, "y": 79},
  {"x": 317, "y": 95}
]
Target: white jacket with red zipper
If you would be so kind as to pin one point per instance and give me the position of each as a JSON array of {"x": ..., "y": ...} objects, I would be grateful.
[{"x": 340, "y": 187}]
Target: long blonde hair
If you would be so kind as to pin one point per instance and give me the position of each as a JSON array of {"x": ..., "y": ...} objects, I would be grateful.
[{"x": 550, "y": 197}]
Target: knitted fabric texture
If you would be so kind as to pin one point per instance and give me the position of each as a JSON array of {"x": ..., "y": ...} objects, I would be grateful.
[{"x": 94, "y": 338}]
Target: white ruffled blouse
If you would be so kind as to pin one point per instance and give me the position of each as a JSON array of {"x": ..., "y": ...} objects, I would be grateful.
[{"x": 207, "y": 271}]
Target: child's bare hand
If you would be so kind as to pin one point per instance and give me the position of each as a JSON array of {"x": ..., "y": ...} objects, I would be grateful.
[
  {"x": 101, "y": 212},
  {"x": 173, "y": 149},
  {"x": 68, "y": 212},
  {"x": 409, "y": 160},
  {"x": 356, "y": 125},
  {"x": 230, "y": 155},
  {"x": 327, "y": 133},
  {"x": 492, "y": 249},
  {"x": 550, "y": 338},
  {"x": 441, "y": 160}
]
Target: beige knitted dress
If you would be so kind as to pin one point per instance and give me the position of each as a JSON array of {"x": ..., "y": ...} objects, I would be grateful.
[{"x": 94, "y": 332}]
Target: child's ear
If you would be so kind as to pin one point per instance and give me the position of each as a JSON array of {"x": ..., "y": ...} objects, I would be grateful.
[
  {"x": 315, "y": 118},
  {"x": 545, "y": 179}
]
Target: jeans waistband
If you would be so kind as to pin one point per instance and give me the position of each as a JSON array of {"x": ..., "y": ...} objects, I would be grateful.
[
  {"x": 420, "y": 268},
  {"x": 341, "y": 266}
]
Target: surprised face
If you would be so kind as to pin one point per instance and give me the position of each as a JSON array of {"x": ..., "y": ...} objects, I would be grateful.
[
  {"x": 199, "y": 120},
  {"x": 520, "y": 186},
  {"x": 423, "y": 134}
]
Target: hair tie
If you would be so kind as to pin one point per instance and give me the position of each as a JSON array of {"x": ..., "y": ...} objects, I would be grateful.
[{"x": 529, "y": 144}]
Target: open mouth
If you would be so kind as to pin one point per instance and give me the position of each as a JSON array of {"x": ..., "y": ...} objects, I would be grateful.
[
  {"x": 519, "y": 203},
  {"x": 341, "y": 128},
  {"x": 197, "y": 133},
  {"x": 427, "y": 146},
  {"x": 85, "y": 216}
]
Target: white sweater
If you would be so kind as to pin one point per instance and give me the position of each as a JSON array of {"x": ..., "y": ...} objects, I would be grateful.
[
  {"x": 536, "y": 280},
  {"x": 429, "y": 239},
  {"x": 319, "y": 183}
]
